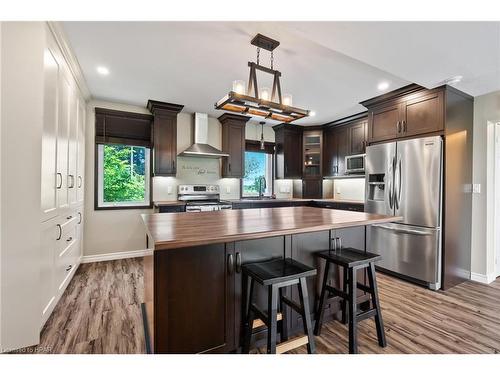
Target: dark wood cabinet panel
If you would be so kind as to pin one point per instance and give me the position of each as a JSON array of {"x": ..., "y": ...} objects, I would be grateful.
[
  {"x": 233, "y": 143},
  {"x": 342, "y": 137},
  {"x": 288, "y": 160},
  {"x": 312, "y": 188},
  {"x": 358, "y": 138},
  {"x": 164, "y": 137},
  {"x": 191, "y": 314},
  {"x": 423, "y": 114},
  {"x": 384, "y": 123}
]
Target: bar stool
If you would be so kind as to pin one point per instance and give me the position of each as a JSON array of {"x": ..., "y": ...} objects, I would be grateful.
[
  {"x": 276, "y": 275},
  {"x": 351, "y": 260}
]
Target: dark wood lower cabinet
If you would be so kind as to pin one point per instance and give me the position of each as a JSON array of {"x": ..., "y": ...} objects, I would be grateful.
[{"x": 197, "y": 308}]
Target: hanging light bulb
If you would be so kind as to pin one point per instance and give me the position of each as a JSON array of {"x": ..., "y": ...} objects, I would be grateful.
[
  {"x": 262, "y": 144},
  {"x": 287, "y": 99},
  {"x": 239, "y": 87},
  {"x": 265, "y": 93}
]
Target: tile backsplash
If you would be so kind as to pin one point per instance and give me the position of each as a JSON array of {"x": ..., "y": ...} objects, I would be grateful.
[{"x": 349, "y": 189}]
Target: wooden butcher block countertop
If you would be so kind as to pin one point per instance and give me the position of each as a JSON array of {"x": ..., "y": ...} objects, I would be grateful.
[{"x": 176, "y": 230}]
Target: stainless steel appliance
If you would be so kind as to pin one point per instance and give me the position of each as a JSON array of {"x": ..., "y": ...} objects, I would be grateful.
[
  {"x": 405, "y": 179},
  {"x": 355, "y": 164},
  {"x": 200, "y": 198}
]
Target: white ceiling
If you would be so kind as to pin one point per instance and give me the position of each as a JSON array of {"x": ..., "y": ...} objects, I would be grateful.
[{"x": 328, "y": 67}]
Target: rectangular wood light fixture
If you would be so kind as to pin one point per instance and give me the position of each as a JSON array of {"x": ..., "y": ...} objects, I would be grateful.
[{"x": 250, "y": 103}]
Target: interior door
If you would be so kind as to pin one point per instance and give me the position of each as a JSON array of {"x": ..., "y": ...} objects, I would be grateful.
[{"x": 417, "y": 181}]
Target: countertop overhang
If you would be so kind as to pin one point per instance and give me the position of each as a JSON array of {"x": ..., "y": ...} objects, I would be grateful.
[{"x": 178, "y": 230}]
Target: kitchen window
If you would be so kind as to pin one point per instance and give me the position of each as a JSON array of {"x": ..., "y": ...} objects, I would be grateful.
[
  {"x": 258, "y": 165},
  {"x": 123, "y": 176},
  {"x": 123, "y": 142}
]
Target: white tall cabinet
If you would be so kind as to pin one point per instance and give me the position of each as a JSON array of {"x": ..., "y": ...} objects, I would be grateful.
[{"x": 62, "y": 178}]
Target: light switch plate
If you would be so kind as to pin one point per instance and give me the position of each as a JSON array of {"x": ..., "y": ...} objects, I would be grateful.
[
  {"x": 476, "y": 188},
  {"x": 228, "y": 189},
  {"x": 169, "y": 189}
]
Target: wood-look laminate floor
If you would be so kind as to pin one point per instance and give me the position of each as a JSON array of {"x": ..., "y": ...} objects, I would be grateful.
[{"x": 100, "y": 313}]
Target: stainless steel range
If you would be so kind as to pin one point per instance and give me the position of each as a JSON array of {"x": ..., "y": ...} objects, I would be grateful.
[{"x": 201, "y": 198}]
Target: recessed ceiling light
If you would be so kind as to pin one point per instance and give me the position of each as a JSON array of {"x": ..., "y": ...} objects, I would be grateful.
[
  {"x": 453, "y": 80},
  {"x": 383, "y": 86},
  {"x": 312, "y": 113},
  {"x": 102, "y": 70}
]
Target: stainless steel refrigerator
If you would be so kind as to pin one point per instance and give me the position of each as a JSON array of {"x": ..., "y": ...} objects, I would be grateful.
[{"x": 405, "y": 179}]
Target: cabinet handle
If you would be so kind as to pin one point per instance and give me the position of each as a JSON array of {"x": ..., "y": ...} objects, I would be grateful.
[
  {"x": 69, "y": 268},
  {"x": 404, "y": 126},
  {"x": 69, "y": 239},
  {"x": 80, "y": 182},
  {"x": 59, "y": 185},
  {"x": 238, "y": 262},
  {"x": 230, "y": 264},
  {"x": 398, "y": 127},
  {"x": 80, "y": 215},
  {"x": 60, "y": 232},
  {"x": 173, "y": 165},
  {"x": 229, "y": 164},
  {"x": 72, "y": 185}
]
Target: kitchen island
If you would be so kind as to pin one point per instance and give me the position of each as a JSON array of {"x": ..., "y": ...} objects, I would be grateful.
[{"x": 192, "y": 280}]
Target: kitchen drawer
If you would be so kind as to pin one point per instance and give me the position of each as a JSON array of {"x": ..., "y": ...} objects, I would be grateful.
[
  {"x": 66, "y": 261},
  {"x": 68, "y": 224}
]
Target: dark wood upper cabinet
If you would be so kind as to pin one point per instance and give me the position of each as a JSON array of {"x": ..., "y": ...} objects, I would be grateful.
[
  {"x": 423, "y": 114},
  {"x": 288, "y": 139},
  {"x": 164, "y": 132},
  {"x": 384, "y": 123},
  {"x": 406, "y": 112},
  {"x": 233, "y": 143},
  {"x": 358, "y": 135},
  {"x": 347, "y": 136}
]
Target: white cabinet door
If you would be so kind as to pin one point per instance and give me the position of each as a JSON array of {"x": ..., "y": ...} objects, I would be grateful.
[
  {"x": 73, "y": 148},
  {"x": 50, "y": 232},
  {"x": 79, "y": 233},
  {"x": 81, "y": 151},
  {"x": 49, "y": 177},
  {"x": 62, "y": 144}
]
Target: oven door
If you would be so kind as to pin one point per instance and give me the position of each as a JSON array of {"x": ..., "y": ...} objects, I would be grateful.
[{"x": 355, "y": 164}]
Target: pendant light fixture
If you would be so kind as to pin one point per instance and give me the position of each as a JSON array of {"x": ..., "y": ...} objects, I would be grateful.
[
  {"x": 262, "y": 143},
  {"x": 262, "y": 102}
]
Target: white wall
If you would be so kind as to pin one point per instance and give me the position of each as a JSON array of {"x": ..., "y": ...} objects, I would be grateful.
[
  {"x": 108, "y": 231},
  {"x": 486, "y": 109},
  {"x": 349, "y": 189},
  {"x": 21, "y": 103}
]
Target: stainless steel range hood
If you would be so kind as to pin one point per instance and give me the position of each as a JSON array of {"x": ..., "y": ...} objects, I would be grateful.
[{"x": 200, "y": 147}]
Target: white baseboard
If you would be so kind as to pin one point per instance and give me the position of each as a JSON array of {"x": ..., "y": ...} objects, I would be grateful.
[
  {"x": 481, "y": 278},
  {"x": 117, "y": 255}
]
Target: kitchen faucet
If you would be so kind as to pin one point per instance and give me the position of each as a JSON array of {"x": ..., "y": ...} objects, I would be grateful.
[{"x": 262, "y": 186}]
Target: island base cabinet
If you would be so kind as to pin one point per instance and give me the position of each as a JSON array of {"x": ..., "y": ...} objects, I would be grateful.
[{"x": 193, "y": 300}]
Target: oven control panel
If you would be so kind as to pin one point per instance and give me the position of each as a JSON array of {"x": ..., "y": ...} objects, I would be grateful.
[{"x": 198, "y": 189}]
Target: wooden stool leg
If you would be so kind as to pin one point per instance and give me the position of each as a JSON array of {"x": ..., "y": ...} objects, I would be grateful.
[
  {"x": 284, "y": 321},
  {"x": 306, "y": 315},
  {"x": 372, "y": 278},
  {"x": 249, "y": 317},
  {"x": 321, "y": 307},
  {"x": 272, "y": 312},
  {"x": 353, "y": 345},
  {"x": 343, "y": 303}
]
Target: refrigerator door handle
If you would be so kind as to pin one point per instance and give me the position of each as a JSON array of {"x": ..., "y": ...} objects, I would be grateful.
[
  {"x": 403, "y": 231},
  {"x": 397, "y": 173},
  {"x": 391, "y": 184}
]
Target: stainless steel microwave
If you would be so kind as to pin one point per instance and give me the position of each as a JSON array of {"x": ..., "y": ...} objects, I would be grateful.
[{"x": 355, "y": 164}]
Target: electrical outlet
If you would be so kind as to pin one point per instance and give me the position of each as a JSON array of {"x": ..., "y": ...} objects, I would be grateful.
[{"x": 476, "y": 188}]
